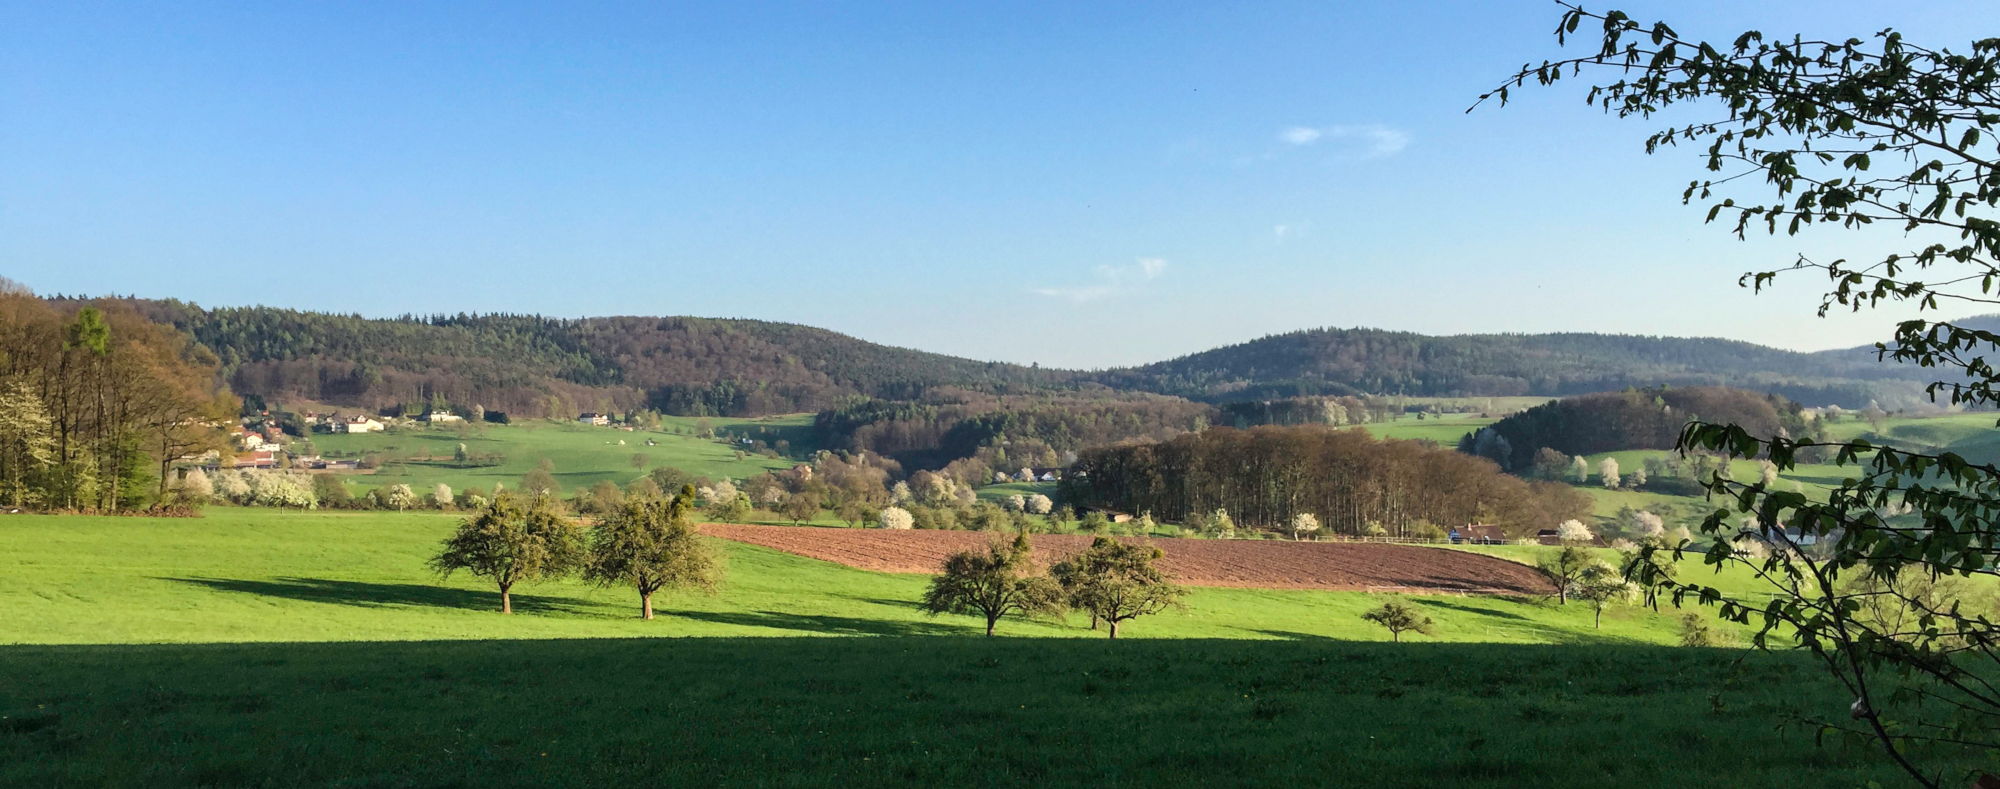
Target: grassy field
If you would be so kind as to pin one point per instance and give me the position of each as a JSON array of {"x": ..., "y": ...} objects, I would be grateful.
[
  {"x": 262, "y": 575},
  {"x": 253, "y": 647},
  {"x": 1446, "y": 430},
  {"x": 582, "y": 455},
  {"x": 911, "y": 710}
]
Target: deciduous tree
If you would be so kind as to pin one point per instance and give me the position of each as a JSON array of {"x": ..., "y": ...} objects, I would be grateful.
[
  {"x": 513, "y": 541},
  {"x": 993, "y": 583},
  {"x": 650, "y": 545},
  {"x": 1399, "y": 617},
  {"x": 1117, "y": 582}
]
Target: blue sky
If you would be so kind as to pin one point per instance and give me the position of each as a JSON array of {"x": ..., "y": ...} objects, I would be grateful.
[{"x": 1070, "y": 184}]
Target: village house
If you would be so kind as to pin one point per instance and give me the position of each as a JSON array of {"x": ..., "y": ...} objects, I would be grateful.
[
  {"x": 249, "y": 439},
  {"x": 356, "y": 424},
  {"x": 591, "y": 418},
  {"x": 442, "y": 415},
  {"x": 1477, "y": 534}
]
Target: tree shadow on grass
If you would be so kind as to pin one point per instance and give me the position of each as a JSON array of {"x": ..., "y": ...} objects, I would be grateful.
[
  {"x": 1291, "y": 635},
  {"x": 904, "y": 604},
  {"x": 1454, "y": 605},
  {"x": 820, "y": 623},
  {"x": 380, "y": 595}
]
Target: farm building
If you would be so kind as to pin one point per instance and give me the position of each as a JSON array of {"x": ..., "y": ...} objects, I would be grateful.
[
  {"x": 442, "y": 416},
  {"x": 1478, "y": 534},
  {"x": 589, "y": 418},
  {"x": 356, "y": 424}
]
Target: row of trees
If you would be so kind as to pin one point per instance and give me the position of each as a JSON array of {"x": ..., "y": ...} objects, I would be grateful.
[
  {"x": 1112, "y": 581},
  {"x": 648, "y": 544},
  {"x": 1266, "y": 476},
  {"x": 96, "y": 403}
]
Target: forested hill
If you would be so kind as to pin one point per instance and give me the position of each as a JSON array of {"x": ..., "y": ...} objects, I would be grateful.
[
  {"x": 1361, "y": 361},
  {"x": 540, "y": 366},
  {"x": 546, "y": 366}
]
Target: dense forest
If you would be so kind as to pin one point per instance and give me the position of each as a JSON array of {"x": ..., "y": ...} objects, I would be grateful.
[
  {"x": 96, "y": 402},
  {"x": 1632, "y": 419},
  {"x": 1371, "y": 361},
  {"x": 949, "y": 424},
  {"x": 1352, "y": 483},
  {"x": 539, "y": 366}
]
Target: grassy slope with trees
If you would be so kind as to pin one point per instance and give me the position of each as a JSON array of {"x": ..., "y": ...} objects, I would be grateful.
[{"x": 95, "y": 701}]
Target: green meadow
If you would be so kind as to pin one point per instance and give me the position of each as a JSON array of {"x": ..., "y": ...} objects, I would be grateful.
[
  {"x": 582, "y": 455},
  {"x": 252, "y": 647}
]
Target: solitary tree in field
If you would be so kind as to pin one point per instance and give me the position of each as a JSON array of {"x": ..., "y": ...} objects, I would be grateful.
[
  {"x": 1599, "y": 584},
  {"x": 1038, "y": 504},
  {"x": 399, "y": 496},
  {"x": 441, "y": 496},
  {"x": 1116, "y": 582},
  {"x": 1564, "y": 568},
  {"x": 1607, "y": 473},
  {"x": 1579, "y": 470},
  {"x": 510, "y": 542},
  {"x": 650, "y": 545},
  {"x": 1304, "y": 523},
  {"x": 993, "y": 583},
  {"x": 541, "y": 480},
  {"x": 1399, "y": 617},
  {"x": 1849, "y": 133}
]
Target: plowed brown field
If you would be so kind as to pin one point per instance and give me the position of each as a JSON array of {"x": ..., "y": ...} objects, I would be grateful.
[{"x": 1241, "y": 563}]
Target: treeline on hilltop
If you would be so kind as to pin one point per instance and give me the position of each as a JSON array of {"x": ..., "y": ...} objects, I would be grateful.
[
  {"x": 1631, "y": 419},
  {"x": 1362, "y": 361},
  {"x": 1350, "y": 482},
  {"x": 97, "y": 402},
  {"x": 549, "y": 367},
  {"x": 949, "y": 424},
  {"x": 538, "y": 366}
]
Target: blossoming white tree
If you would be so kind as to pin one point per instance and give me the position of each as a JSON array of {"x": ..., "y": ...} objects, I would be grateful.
[
  {"x": 897, "y": 518},
  {"x": 1573, "y": 530}
]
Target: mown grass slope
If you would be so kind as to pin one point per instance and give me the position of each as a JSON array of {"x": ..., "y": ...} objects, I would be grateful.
[
  {"x": 263, "y": 575},
  {"x": 313, "y": 648}
]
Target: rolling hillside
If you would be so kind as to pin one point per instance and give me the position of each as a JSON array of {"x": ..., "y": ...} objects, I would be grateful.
[
  {"x": 683, "y": 365},
  {"x": 1357, "y": 361}
]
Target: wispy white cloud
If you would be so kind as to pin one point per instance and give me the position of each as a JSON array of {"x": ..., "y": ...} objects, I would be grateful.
[
  {"x": 1300, "y": 135},
  {"x": 1109, "y": 281},
  {"x": 1371, "y": 140}
]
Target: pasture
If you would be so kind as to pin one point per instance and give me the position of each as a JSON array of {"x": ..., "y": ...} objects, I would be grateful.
[
  {"x": 267, "y": 648},
  {"x": 582, "y": 455}
]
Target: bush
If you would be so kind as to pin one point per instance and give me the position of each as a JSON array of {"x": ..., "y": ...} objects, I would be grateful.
[{"x": 1695, "y": 632}]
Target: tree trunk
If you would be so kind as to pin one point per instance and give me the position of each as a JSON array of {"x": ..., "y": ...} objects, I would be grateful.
[
  {"x": 506, "y": 599},
  {"x": 1396, "y": 636},
  {"x": 645, "y": 605},
  {"x": 989, "y": 624},
  {"x": 1598, "y": 622},
  {"x": 1113, "y": 623}
]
